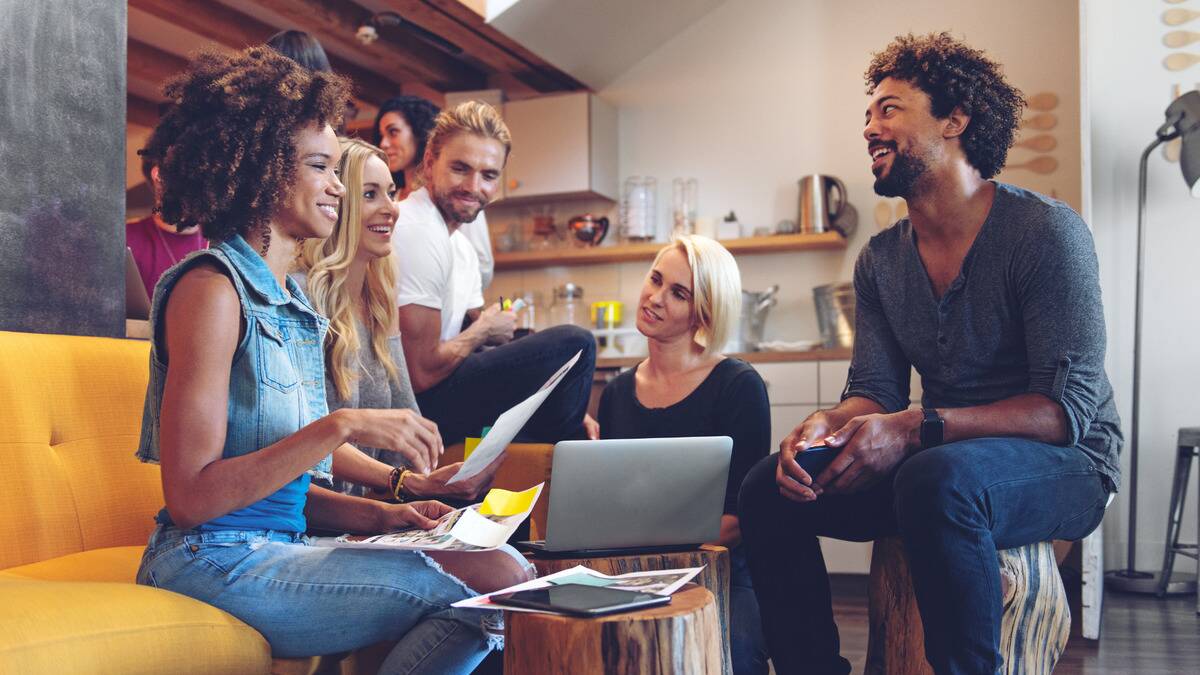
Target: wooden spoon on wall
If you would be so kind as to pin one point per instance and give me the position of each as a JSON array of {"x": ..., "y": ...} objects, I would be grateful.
[
  {"x": 1181, "y": 60},
  {"x": 883, "y": 215},
  {"x": 1178, "y": 16},
  {"x": 1040, "y": 122},
  {"x": 1178, "y": 39},
  {"x": 1043, "y": 101},
  {"x": 1039, "y": 143},
  {"x": 1042, "y": 164}
]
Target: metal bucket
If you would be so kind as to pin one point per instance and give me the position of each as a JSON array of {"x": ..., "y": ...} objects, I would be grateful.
[
  {"x": 755, "y": 307},
  {"x": 835, "y": 314}
]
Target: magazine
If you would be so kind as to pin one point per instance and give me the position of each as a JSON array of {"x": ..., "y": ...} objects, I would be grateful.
[
  {"x": 478, "y": 527},
  {"x": 658, "y": 582}
]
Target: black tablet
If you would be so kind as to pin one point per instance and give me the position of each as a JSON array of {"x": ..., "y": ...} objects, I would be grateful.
[{"x": 580, "y": 600}]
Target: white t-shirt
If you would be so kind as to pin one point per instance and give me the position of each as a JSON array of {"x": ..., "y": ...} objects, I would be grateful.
[
  {"x": 434, "y": 268},
  {"x": 477, "y": 233}
]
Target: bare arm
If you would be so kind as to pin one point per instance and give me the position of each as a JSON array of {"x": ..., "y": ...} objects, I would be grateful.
[
  {"x": 429, "y": 359},
  {"x": 329, "y": 510},
  {"x": 354, "y": 465}
]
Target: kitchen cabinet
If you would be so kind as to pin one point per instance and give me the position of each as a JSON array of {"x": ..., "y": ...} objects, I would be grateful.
[{"x": 563, "y": 146}]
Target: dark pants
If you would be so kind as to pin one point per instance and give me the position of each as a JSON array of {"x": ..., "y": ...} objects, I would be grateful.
[
  {"x": 954, "y": 506},
  {"x": 488, "y": 383},
  {"x": 747, "y": 647}
]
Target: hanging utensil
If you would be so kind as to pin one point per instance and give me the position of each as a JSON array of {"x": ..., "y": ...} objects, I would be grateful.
[
  {"x": 1178, "y": 16},
  {"x": 1178, "y": 39},
  {"x": 1039, "y": 143},
  {"x": 1043, "y": 164},
  {"x": 1043, "y": 101},
  {"x": 883, "y": 214},
  {"x": 1181, "y": 60},
  {"x": 1040, "y": 122}
]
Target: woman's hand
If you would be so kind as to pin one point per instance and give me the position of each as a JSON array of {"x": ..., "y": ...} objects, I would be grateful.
[
  {"x": 592, "y": 427},
  {"x": 399, "y": 430},
  {"x": 435, "y": 485},
  {"x": 412, "y": 514}
]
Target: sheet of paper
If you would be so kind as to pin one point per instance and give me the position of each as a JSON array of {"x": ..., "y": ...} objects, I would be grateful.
[
  {"x": 508, "y": 425},
  {"x": 507, "y": 503},
  {"x": 659, "y": 582}
]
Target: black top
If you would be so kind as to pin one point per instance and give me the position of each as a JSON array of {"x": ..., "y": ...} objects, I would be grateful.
[
  {"x": 731, "y": 401},
  {"x": 1023, "y": 315}
]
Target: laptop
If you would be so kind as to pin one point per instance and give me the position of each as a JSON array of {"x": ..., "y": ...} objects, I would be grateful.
[
  {"x": 137, "y": 301},
  {"x": 621, "y": 496}
]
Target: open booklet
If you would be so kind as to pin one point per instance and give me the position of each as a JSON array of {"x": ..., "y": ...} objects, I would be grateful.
[
  {"x": 658, "y": 582},
  {"x": 508, "y": 425},
  {"x": 478, "y": 527}
]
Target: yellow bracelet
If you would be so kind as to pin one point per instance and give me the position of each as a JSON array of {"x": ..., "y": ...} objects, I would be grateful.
[{"x": 398, "y": 492}]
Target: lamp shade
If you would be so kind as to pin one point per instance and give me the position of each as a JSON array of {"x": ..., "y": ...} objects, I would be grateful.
[{"x": 1184, "y": 116}]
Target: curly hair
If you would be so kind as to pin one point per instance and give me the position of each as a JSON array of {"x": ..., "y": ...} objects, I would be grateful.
[
  {"x": 954, "y": 75},
  {"x": 419, "y": 114},
  {"x": 226, "y": 148}
]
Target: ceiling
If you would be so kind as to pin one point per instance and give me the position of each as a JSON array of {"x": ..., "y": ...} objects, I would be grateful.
[{"x": 441, "y": 46}]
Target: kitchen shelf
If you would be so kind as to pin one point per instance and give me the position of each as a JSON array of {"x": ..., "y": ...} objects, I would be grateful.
[
  {"x": 819, "y": 354},
  {"x": 825, "y": 241}
]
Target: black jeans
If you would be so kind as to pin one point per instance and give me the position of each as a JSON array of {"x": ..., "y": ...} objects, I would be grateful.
[
  {"x": 954, "y": 506},
  {"x": 488, "y": 383}
]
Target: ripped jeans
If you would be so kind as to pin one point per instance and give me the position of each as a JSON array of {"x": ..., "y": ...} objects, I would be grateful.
[{"x": 310, "y": 600}]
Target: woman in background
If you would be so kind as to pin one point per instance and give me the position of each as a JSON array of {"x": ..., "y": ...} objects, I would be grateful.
[
  {"x": 689, "y": 304},
  {"x": 351, "y": 279}
]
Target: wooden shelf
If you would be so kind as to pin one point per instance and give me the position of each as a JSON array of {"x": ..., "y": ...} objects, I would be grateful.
[
  {"x": 826, "y": 241},
  {"x": 819, "y": 354}
]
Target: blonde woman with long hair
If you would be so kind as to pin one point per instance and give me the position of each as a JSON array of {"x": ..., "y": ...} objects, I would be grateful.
[
  {"x": 688, "y": 307},
  {"x": 351, "y": 279}
]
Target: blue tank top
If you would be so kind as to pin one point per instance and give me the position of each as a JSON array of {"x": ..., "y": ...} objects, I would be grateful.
[{"x": 276, "y": 383}]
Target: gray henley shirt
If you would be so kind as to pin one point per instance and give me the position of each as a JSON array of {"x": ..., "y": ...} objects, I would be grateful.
[{"x": 1024, "y": 315}]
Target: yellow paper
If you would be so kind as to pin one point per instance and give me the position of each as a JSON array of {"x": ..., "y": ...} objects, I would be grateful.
[
  {"x": 507, "y": 503},
  {"x": 469, "y": 445}
]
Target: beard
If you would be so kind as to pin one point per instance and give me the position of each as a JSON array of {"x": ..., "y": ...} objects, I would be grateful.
[
  {"x": 901, "y": 180},
  {"x": 453, "y": 212}
]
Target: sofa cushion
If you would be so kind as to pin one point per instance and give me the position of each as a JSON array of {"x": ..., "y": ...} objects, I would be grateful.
[
  {"x": 83, "y": 627},
  {"x": 116, "y": 564}
]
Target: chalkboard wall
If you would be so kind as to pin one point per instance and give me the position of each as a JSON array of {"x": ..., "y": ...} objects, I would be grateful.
[{"x": 62, "y": 166}]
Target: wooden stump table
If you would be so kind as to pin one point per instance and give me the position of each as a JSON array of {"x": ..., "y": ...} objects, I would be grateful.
[
  {"x": 1033, "y": 631},
  {"x": 714, "y": 577},
  {"x": 679, "y": 638}
]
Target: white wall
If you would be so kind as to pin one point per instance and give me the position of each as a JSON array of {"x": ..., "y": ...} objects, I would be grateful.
[{"x": 1127, "y": 90}]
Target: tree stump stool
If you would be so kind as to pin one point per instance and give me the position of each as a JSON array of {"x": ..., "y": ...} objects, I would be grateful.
[
  {"x": 679, "y": 638},
  {"x": 714, "y": 577},
  {"x": 1033, "y": 632}
]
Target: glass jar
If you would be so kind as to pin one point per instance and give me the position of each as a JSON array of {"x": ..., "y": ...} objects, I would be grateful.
[
  {"x": 567, "y": 307},
  {"x": 638, "y": 209}
]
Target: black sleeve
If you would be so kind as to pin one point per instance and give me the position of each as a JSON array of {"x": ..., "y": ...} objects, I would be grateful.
[
  {"x": 743, "y": 413},
  {"x": 604, "y": 414}
]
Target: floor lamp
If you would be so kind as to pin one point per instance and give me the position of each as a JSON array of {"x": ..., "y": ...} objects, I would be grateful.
[{"x": 1182, "y": 121}]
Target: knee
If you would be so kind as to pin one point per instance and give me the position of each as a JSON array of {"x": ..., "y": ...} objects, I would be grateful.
[
  {"x": 510, "y": 571},
  {"x": 759, "y": 493},
  {"x": 931, "y": 487}
]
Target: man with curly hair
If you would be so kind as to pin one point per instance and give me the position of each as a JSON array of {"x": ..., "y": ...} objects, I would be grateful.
[{"x": 991, "y": 292}]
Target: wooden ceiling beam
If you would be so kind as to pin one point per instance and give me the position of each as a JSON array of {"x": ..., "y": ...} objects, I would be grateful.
[
  {"x": 231, "y": 28},
  {"x": 151, "y": 64},
  {"x": 459, "y": 23},
  {"x": 336, "y": 24},
  {"x": 141, "y": 112}
]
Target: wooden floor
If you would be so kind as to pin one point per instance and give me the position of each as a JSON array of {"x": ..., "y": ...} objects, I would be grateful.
[{"x": 1140, "y": 635}]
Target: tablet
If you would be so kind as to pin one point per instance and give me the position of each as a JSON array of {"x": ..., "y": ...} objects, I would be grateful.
[{"x": 580, "y": 600}]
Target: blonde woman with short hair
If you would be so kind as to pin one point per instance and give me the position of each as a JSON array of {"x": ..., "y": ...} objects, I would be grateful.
[{"x": 688, "y": 308}]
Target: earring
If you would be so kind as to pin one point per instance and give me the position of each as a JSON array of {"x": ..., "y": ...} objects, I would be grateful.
[{"x": 265, "y": 233}]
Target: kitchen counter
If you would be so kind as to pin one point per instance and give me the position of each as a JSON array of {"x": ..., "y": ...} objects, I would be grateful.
[{"x": 749, "y": 357}]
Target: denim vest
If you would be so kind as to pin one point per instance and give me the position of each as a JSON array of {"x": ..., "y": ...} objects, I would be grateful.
[{"x": 276, "y": 380}]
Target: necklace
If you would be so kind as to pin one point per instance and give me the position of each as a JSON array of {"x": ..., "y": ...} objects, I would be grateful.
[{"x": 162, "y": 240}]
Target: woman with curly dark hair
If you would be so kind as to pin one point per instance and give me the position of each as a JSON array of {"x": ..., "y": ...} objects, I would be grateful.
[
  {"x": 991, "y": 293},
  {"x": 235, "y": 409},
  {"x": 402, "y": 128}
]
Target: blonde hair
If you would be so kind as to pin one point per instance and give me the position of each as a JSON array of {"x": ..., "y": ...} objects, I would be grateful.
[
  {"x": 716, "y": 289},
  {"x": 327, "y": 260},
  {"x": 468, "y": 117}
]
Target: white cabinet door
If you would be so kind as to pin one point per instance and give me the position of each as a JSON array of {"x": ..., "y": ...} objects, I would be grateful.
[
  {"x": 790, "y": 383},
  {"x": 831, "y": 381},
  {"x": 784, "y": 418},
  {"x": 562, "y": 144}
]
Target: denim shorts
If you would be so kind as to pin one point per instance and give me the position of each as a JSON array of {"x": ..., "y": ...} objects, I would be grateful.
[{"x": 310, "y": 600}]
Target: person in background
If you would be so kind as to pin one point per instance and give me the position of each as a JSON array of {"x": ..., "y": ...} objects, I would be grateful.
[
  {"x": 350, "y": 278},
  {"x": 992, "y": 293},
  {"x": 235, "y": 408},
  {"x": 156, "y": 244},
  {"x": 458, "y": 388},
  {"x": 308, "y": 52},
  {"x": 689, "y": 304},
  {"x": 402, "y": 129}
]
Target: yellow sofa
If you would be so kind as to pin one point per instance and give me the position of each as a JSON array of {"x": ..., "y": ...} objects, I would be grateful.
[{"x": 77, "y": 508}]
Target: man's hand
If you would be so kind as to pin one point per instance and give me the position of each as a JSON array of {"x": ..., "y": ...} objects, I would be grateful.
[
  {"x": 592, "y": 427},
  {"x": 400, "y": 430},
  {"x": 794, "y": 482},
  {"x": 496, "y": 324},
  {"x": 413, "y": 514},
  {"x": 435, "y": 485},
  {"x": 872, "y": 445}
]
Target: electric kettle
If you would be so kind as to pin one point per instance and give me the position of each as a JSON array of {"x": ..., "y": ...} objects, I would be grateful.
[{"x": 822, "y": 200}]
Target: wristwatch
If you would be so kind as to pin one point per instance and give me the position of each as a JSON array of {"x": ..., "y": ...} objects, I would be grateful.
[{"x": 932, "y": 428}]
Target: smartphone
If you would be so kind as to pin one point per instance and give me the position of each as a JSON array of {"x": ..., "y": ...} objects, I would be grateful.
[
  {"x": 580, "y": 600},
  {"x": 816, "y": 459}
]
